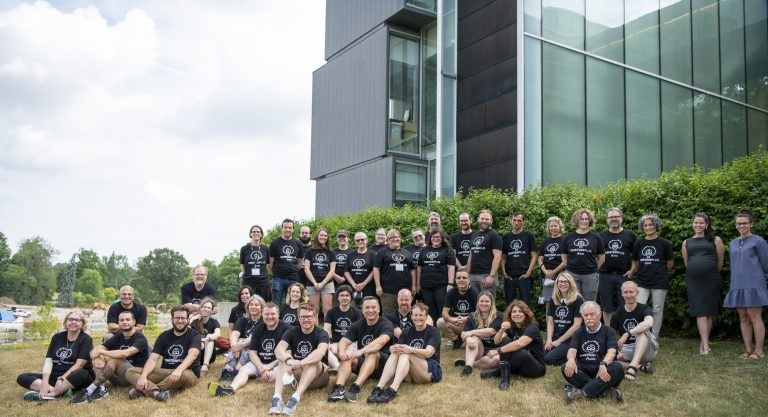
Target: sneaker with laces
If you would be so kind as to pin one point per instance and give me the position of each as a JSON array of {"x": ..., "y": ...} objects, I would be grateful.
[
  {"x": 387, "y": 396},
  {"x": 31, "y": 396},
  {"x": 98, "y": 394},
  {"x": 337, "y": 393},
  {"x": 467, "y": 371},
  {"x": 81, "y": 398},
  {"x": 163, "y": 396},
  {"x": 290, "y": 406},
  {"x": 374, "y": 397},
  {"x": 459, "y": 362},
  {"x": 134, "y": 394},
  {"x": 352, "y": 393},
  {"x": 277, "y": 406},
  {"x": 573, "y": 396}
]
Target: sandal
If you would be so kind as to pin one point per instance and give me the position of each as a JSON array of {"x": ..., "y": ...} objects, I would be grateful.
[
  {"x": 647, "y": 368},
  {"x": 630, "y": 374},
  {"x": 756, "y": 355},
  {"x": 745, "y": 355},
  {"x": 705, "y": 352}
]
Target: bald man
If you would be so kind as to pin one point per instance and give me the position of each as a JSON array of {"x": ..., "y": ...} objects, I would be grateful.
[{"x": 127, "y": 302}]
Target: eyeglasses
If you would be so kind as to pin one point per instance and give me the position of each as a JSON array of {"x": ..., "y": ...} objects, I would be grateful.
[
  {"x": 361, "y": 240},
  {"x": 742, "y": 223},
  {"x": 306, "y": 317},
  {"x": 418, "y": 237},
  {"x": 180, "y": 318},
  {"x": 71, "y": 320}
]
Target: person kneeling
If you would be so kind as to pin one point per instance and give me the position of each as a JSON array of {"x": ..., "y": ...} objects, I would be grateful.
[
  {"x": 414, "y": 358},
  {"x": 308, "y": 346},
  {"x": 633, "y": 321}
]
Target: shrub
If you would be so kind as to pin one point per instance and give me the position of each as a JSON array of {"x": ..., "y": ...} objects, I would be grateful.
[{"x": 45, "y": 325}]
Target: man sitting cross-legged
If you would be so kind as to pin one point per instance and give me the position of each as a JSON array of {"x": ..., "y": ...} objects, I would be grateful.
[{"x": 637, "y": 343}]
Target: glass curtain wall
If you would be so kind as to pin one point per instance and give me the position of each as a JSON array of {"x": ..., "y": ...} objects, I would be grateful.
[
  {"x": 403, "y": 135},
  {"x": 447, "y": 104}
]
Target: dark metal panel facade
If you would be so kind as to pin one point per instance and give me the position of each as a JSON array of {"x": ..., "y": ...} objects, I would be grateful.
[
  {"x": 348, "y": 20},
  {"x": 365, "y": 185},
  {"x": 349, "y": 114}
]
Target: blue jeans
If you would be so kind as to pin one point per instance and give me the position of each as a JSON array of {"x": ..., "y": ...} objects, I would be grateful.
[
  {"x": 279, "y": 289},
  {"x": 519, "y": 285}
]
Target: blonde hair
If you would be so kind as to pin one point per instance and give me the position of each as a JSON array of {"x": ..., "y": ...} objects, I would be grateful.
[
  {"x": 80, "y": 315},
  {"x": 557, "y": 220},
  {"x": 573, "y": 291},
  {"x": 577, "y": 214},
  {"x": 304, "y": 297},
  {"x": 484, "y": 322}
]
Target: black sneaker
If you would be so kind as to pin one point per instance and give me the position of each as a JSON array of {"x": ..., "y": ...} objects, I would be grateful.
[
  {"x": 337, "y": 393},
  {"x": 467, "y": 371},
  {"x": 224, "y": 391},
  {"x": 494, "y": 373},
  {"x": 80, "y": 398},
  {"x": 352, "y": 393},
  {"x": 227, "y": 375},
  {"x": 98, "y": 395},
  {"x": 573, "y": 396},
  {"x": 459, "y": 362},
  {"x": 374, "y": 397},
  {"x": 568, "y": 388},
  {"x": 134, "y": 394},
  {"x": 457, "y": 344},
  {"x": 387, "y": 396},
  {"x": 615, "y": 394},
  {"x": 163, "y": 396}
]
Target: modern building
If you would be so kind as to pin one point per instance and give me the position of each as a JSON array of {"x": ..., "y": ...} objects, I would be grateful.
[{"x": 420, "y": 98}]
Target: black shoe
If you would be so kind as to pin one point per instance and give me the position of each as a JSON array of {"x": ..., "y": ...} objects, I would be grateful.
[
  {"x": 615, "y": 394},
  {"x": 494, "y": 373},
  {"x": 134, "y": 394},
  {"x": 374, "y": 397},
  {"x": 352, "y": 393},
  {"x": 98, "y": 394},
  {"x": 387, "y": 396},
  {"x": 457, "y": 344},
  {"x": 81, "y": 398},
  {"x": 163, "y": 396},
  {"x": 568, "y": 388},
  {"x": 504, "y": 384},
  {"x": 227, "y": 375},
  {"x": 467, "y": 371},
  {"x": 224, "y": 391},
  {"x": 459, "y": 362},
  {"x": 337, "y": 393},
  {"x": 573, "y": 396}
]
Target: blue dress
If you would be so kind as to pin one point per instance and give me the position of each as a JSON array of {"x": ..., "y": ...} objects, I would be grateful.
[{"x": 749, "y": 267}]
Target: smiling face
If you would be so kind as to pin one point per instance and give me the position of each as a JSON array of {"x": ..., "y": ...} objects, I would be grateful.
[
  {"x": 361, "y": 240},
  {"x": 180, "y": 319},
  {"x": 563, "y": 285},
  {"x": 649, "y": 229},
  {"x": 270, "y": 315},
  {"x": 484, "y": 304},
  {"x": 614, "y": 219},
  {"x": 699, "y": 226},
  {"x": 465, "y": 222},
  {"x": 371, "y": 309},
  {"x": 462, "y": 280},
  {"x": 206, "y": 309},
  {"x": 517, "y": 316},
  {"x": 287, "y": 230},
  {"x": 381, "y": 236},
  {"x": 306, "y": 320},
  {"x": 418, "y": 238},
  {"x": 74, "y": 322},
  {"x": 436, "y": 239},
  {"x": 256, "y": 234},
  {"x": 199, "y": 276},
  {"x": 126, "y": 296},
  {"x": 629, "y": 292},
  {"x": 322, "y": 237},
  {"x": 743, "y": 225},
  {"x": 245, "y": 294},
  {"x": 419, "y": 317},
  {"x": 484, "y": 221},
  {"x": 295, "y": 293},
  {"x": 344, "y": 298},
  {"x": 394, "y": 241},
  {"x": 591, "y": 317},
  {"x": 554, "y": 228},
  {"x": 126, "y": 321},
  {"x": 254, "y": 308}
]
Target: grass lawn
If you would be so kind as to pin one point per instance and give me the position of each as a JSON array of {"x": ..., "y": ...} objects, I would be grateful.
[{"x": 684, "y": 384}]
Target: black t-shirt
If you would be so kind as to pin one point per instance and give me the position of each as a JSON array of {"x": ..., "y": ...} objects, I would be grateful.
[
  {"x": 341, "y": 320},
  {"x": 471, "y": 324},
  {"x": 536, "y": 347},
  {"x": 517, "y": 250},
  {"x": 461, "y": 305},
  {"x": 174, "y": 349},
  {"x": 395, "y": 267},
  {"x": 137, "y": 340},
  {"x": 208, "y": 327},
  {"x": 550, "y": 250},
  {"x": 359, "y": 266},
  {"x": 139, "y": 313},
  {"x": 65, "y": 353},
  {"x": 401, "y": 322},
  {"x": 652, "y": 256},
  {"x": 582, "y": 251},
  {"x": 623, "y": 321},
  {"x": 483, "y": 245},
  {"x": 287, "y": 254},
  {"x": 301, "y": 344},
  {"x": 376, "y": 248},
  {"x": 246, "y": 326},
  {"x": 340, "y": 256},
  {"x": 415, "y": 252},
  {"x": 289, "y": 315},
  {"x": 190, "y": 294},
  {"x": 618, "y": 251},
  {"x": 430, "y": 336},
  {"x": 264, "y": 341},
  {"x": 254, "y": 260},
  {"x": 236, "y": 313},
  {"x": 591, "y": 348},
  {"x": 562, "y": 315},
  {"x": 319, "y": 263},
  {"x": 462, "y": 243},
  {"x": 364, "y": 334},
  {"x": 302, "y": 275},
  {"x": 434, "y": 264}
]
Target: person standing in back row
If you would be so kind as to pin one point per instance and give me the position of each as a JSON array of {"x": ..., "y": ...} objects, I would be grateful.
[
  {"x": 254, "y": 257},
  {"x": 486, "y": 255},
  {"x": 286, "y": 256},
  {"x": 393, "y": 270},
  {"x": 583, "y": 253},
  {"x": 652, "y": 256},
  {"x": 461, "y": 242},
  {"x": 519, "y": 257},
  {"x": 618, "y": 266}
]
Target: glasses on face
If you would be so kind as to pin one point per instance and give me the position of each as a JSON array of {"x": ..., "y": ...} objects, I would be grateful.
[
  {"x": 418, "y": 237},
  {"x": 563, "y": 283},
  {"x": 360, "y": 240},
  {"x": 614, "y": 217},
  {"x": 73, "y": 320},
  {"x": 306, "y": 317},
  {"x": 180, "y": 318},
  {"x": 742, "y": 223}
]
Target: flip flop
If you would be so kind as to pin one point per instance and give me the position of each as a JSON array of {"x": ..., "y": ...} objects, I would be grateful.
[
  {"x": 757, "y": 355},
  {"x": 745, "y": 355}
]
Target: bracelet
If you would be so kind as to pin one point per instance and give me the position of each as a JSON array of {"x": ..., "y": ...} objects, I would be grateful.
[{"x": 603, "y": 363}]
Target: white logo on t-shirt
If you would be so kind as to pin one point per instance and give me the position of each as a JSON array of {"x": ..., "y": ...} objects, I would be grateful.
[
  {"x": 630, "y": 324},
  {"x": 553, "y": 248},
  {"x": 176, "y": 351},
  {"x": 358, "y": 263},
  {"x": 465, "y": 245},
  {"x": 63, "y": 353},
  {"x": 268, "y": 345},
  {"x": 256, "y": 255},
  {"x": 289, "y": 318},
  {"x": 432, "y": 256},
  {"x": 462, "y": 305},
  {"x": 417, "y": 343},
  {"x": 561, "y": 312},
  {"x": 581, "y": 243},
  {"x": 288, "y": 250},
  {"x": 367, "y": 339},
  {"x": 398, "y": 257},
  {"x": 516, "y": 245},
  {"x": 648, "y": 251},
  {"x": 321, "y": 258},
  {"x": 304, "y": 348},
  {"x": 341, "y": 257},
  {"x": 614, "y": 245},
  {"x": 591, "y": 347},
  {"x": 343, "y": 323},
  {"x": 478, "y": 241}
]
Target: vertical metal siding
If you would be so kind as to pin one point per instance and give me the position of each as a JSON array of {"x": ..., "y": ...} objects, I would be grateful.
[
  {"x": 349, "y": 191},
  {"x": 347, "y": 20}
]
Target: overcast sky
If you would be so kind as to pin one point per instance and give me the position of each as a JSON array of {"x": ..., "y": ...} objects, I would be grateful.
[{"x": 132, "y": 125}]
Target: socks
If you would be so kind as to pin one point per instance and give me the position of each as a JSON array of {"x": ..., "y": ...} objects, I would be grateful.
[
  {"x": 91, "y": 388},
  {"x": 296, "y": 396}
]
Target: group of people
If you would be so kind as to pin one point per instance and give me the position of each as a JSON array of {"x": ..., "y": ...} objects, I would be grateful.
[{"x": 386, "y": 306}]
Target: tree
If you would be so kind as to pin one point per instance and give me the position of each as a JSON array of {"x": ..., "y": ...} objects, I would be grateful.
[
  {"x": 90, "y": 282},
  {"x": 5, "y": 251},
  {"x": 224, "y": 276},
  {"x": 160, "y": 274},
  {"x": 118, "y": 270},
  {"x": 16, "y": 282},
  {"x": 35, "y": 255},
  {"x": 88, "y": 259}
]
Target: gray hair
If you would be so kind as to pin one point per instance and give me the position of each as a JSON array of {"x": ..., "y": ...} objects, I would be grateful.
[
  {"x": 621, "y": 213},
  {"x": 590, "y": 304},
  {"x": 653, "y": 218}
]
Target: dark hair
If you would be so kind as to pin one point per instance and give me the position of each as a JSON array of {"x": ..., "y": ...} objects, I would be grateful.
[
  {"x": 529, "y": 317},
  {"x": 344, "y": 288},
  {"x": 745, "y": 212},
  {"x": 370, "y": 297},
  {"x": 444, "y": 238},
  {"x": 316, "y": 243},
  {"x": 708, "y": 232},
  {"x": 517, "y": 213},
  {"x": 179, "y": 308},
  {"x": 127, "y": 312},
  {"x": 421, "y": 306},
  {"x": 240, "y": 309},
  {"x": 255, "y": 226},
  {"x": 286, "y": 220}
]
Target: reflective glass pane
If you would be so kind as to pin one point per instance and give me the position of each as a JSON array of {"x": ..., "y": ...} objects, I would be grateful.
[
  {"x": 429, "y": 112},
  {"x": 706, "y": 50},
  {"x": 449, "y": 36},
  {"x": 410, "y": 184},
  {"x": 448, "y": 139},
  {"x": 676, "y": 126},
  {"x": 563, "y": 116},
  {"x": 675, "y": 23},
  {"x": 532, "y": 16},
  {"x": 605, "y": 122},
  {"x": 756, "y": 45},
  {"x": 732, "y": 49},
  {"x": 641, "y": 34},
  {"x": 605, "y": 28},
  {"x": 734, "y": 130},
  {"x": 563, "y": 21},
  {"x": 643, "y": 126},
  {"x": 758, "y": 130},
  {"x": 429, "y": 5},
  {"x": 706, "y": 118},
  {"x": 532, "y": 110},
  {"x": 403, "y": 95}
]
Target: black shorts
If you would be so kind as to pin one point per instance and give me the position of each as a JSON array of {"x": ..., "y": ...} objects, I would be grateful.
[{"x": 383, "y": 356}]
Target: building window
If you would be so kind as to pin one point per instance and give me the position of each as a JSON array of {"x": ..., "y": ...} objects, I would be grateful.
[
  {"x": 428, "y": 5},
  {"x": 403, "y": 134},
  {"x": 410, "y": 184}
]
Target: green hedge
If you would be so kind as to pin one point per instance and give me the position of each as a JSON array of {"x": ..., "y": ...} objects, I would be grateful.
[{"x": 675, "y": 196}]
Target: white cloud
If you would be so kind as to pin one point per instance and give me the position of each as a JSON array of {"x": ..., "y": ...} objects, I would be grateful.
[{"x": 128, "y": 126}]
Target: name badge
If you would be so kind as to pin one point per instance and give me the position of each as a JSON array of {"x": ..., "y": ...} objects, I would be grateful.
[
  {"x": 399, "y": 267},
  {"x": 255, "y": 272}
]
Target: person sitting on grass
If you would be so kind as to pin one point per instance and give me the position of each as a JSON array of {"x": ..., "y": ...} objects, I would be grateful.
[
  {"x": 295, "y": 295},
  {"x": 563, "y": 319},
  {"x": 177, "y": 350},
  {"x": 524, "y": 353},
  {"x": 337, "y": 322},
  {"x": 478, "y": 333},
  {"x": 301, "y": 353},
  {"x": 240, "y": 338},
  {"x": 67, "y": 364},
  {"x": 209, "y": 329},
  {"x": 414, "y": 358},
  {"x": 112, "y": 359},
  {"x": 591, "y": 367},
  {"x": 263, "y": 363},
  {"x": 633, "y": 322},
  {"x": 459, "y": 304},
  {"x": 401, "y": 318},
  {"x": 374, "y": 335}
]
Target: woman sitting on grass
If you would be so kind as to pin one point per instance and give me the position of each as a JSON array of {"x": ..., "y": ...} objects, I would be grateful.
[
  {"x": 296, "y": 294},
  {"x": 478, "y": 335},
  {"x": 209, "y": 329},
  {"x": 240, "y": 338}
]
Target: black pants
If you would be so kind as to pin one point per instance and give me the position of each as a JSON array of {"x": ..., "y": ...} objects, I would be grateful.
[
  {"x": 558, "y": 355},
  {"x": 586, "y": 378},
  {"x": 79, "y": 379},
  {"x": 522, "y": 363},
  {"x": 262, "y": 288},
  {"x": 520, "y": 285},
  {"x": 434, "y": 298}
]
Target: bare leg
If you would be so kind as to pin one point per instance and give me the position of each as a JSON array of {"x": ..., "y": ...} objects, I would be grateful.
[
  {"x": 314, "y": 299},
  {"x": 242, "y": 377},
  {"x": 472, "y": 350},
  {"x": 306, "y": 377},
  {"x": 208, "y": 352},
  {"x": 419, "y": 371},
  {"x": 746, "y": 328},
  {"x": 281, "y": 370},
  {"x": 327, "y": 302},
  {"x": 402, "y": 371},
  {"x": 703, "y": 324},
  {"x": 344, "y": 371},
  {"x": 487, "y": 363},
  {"x": 641, "y": 344},
  {"x": 333, "y": 352},
  {"x": 366, "y": 370},
  {"x": 389, "y": 369},
  {"x": 758, "y": 327},
  {"x": 607, "y": 318}
]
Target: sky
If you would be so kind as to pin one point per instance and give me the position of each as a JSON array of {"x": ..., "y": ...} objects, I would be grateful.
[{"x": 127, "y": 126}]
